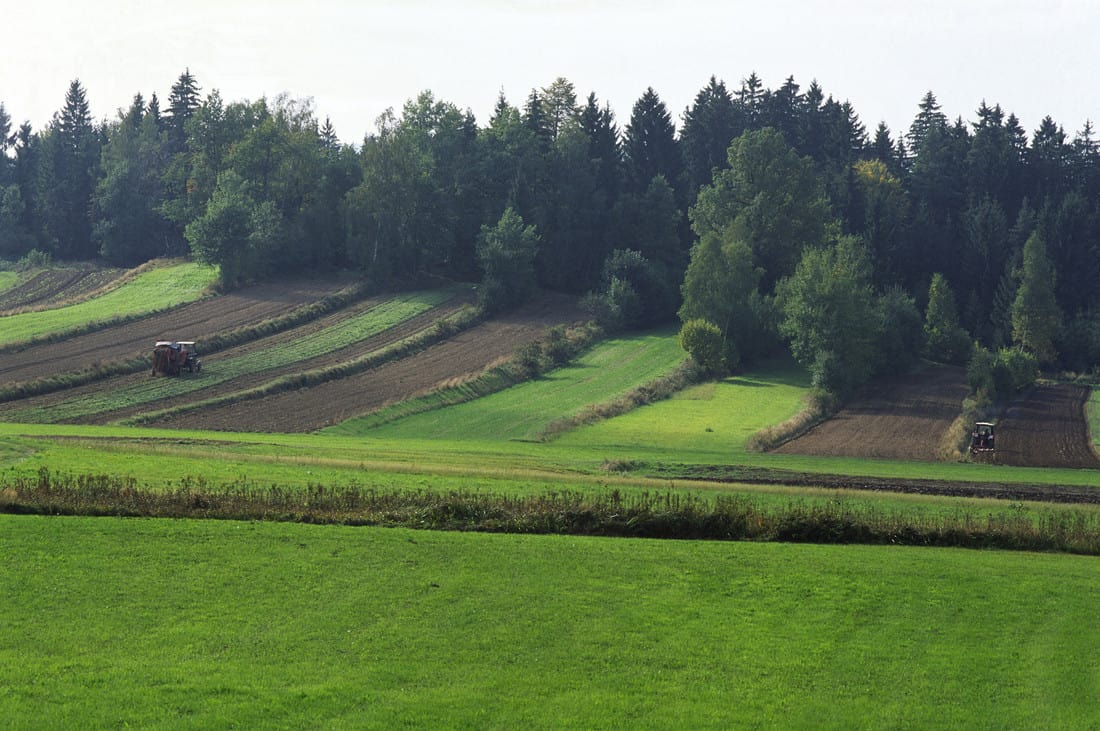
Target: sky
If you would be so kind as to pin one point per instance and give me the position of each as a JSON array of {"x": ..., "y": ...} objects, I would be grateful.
[{"x": 355, "y": 59}]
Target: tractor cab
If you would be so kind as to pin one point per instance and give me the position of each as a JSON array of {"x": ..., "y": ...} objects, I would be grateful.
[{"x": 981, "y": 439}]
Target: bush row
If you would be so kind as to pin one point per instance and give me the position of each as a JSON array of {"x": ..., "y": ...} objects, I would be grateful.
[{"x": 642, "y": 515}]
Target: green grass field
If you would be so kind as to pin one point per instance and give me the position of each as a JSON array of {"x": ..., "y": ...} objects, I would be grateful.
[
  {"x": 8, "y": 280},
  {"x": 281, "y": 356},
  {"x": 711, "y": 419},
  {"x": 153, "y": 290},
  {"x": 193, "y": 624},
  {"x": 212, "y": 624},
  {"x": 609, "y": 370}
]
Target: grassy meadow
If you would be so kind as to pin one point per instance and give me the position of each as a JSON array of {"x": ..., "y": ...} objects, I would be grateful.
[
  {"x": 216, "y": 624},
  {"x": 156, "y": 289},
  {"x": 156, "y": 623}
]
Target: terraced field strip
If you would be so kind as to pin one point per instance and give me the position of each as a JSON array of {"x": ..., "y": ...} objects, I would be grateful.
[
  {"x": 284, "y": 354},
  {"x": 157, "y": 289},
  {"x": 608, "y": 371},
  {"x": 209, "y": 317},
  {"x": 58, "y": 286},
  {"x": 465, "y": 354}
]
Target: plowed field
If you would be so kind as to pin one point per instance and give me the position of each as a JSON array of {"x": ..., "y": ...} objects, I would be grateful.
[
  {"x": 188, "y": 322},
  {"x": 51, "y": 286},
  {"x": 308, "y": 409},
  {"x": 901, "y": 418},
  {"x": 1047, "y": 429}
]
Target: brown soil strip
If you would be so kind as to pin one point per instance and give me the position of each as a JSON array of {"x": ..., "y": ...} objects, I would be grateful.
[
  {"x": 253, "y": 380},
  {"x": 1047, "y": 429},
  {"x": 902, "y": 418},
  {"x": 192, "y": 321},
  {"x": 466, "y": 353}
]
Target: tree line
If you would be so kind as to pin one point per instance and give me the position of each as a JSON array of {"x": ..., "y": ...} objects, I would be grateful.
[{"x": 767, "y": 215}]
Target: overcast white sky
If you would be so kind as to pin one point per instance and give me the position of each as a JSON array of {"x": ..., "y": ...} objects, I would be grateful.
[{"x": 356, "y": 58}]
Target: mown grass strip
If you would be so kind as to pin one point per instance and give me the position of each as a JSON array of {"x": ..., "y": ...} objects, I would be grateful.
[
  {"x": 156, "y": 290},
  {"x": 442, "y": 329},
  {"x": 210, "y": 343},
  {"x": 341, "y": 334},
  {"x": 609, "y": 370},
  {"x": 669, "y": 515},
  {"x": 523, "y": 366}
]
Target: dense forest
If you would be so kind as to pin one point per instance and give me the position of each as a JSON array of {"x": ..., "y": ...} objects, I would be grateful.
[{"x": 768, "y": 216}]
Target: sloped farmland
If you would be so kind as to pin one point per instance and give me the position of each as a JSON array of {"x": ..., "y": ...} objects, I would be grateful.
[
  {"x": 57, "y": 284},
  {"x": 329, "y": 339},
  {"x": 464, "y": 354},
  {"x": 901, "y": 418},
  {"x": 1047, "y": 429},
  {"x": 192, "y": 321}
]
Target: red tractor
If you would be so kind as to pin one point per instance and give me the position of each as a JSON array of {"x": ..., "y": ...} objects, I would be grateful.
[
  {"x": 981, "y": 439},
  {"x": 172, "y": 356}
]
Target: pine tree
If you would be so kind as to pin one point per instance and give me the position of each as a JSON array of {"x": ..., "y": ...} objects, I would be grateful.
[{"x": 928, "y": 118}]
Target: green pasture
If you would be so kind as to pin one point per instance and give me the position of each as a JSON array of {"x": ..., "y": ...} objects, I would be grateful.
[
  {"x": 210, "y": 624},
  {"x": 156, "y": 289},
  {"x": 712, "y": 419},
  {"x": 609, "y": 370},
  {"x": 8, "y": 280},
  {"x": 216, "y": 370}
]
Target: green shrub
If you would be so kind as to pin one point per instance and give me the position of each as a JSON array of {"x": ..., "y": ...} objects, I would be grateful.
[
  {"x": 703, "y": 341},
  {"x": 34, "y": 259}
]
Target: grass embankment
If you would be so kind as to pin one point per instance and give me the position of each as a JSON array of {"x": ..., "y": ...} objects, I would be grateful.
[
  {"x": 204, "y": 624},
  {"x": 610, "y": 369},
  {"x": 340, "y": 335},
  {"x": 154, "y": 290}
]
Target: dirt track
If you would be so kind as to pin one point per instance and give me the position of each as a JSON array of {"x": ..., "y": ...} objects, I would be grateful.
[
  {"x": 188, "y": 322},
  {"x": 329, "y": 403},
  {"x": 901, "y": 418},
  {"x": 1047, "y": 429}
]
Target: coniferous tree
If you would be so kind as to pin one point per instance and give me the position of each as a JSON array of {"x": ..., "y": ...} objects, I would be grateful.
[
  {"x": 649, "y": 145},
  {"x": 710, "y": 124},
  {"x": 66, "y": 178},
  {"x": 183, "y": 101}
]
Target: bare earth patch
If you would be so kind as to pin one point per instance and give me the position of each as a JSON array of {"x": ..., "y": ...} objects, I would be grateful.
[
  {"x": 1047, "y": 429},
  {"x": 309, "y": 409},
  {"x": 901, "y": 418},
  {"x": 188, "y": 322}
]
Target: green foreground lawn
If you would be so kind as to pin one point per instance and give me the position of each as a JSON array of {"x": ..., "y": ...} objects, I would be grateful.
[
  {"x": 153, "y": 290},
  {"x": 180, "y": 624}
]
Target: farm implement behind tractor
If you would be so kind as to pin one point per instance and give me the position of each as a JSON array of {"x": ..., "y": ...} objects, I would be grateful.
[{"x": 172, "y": 356}]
